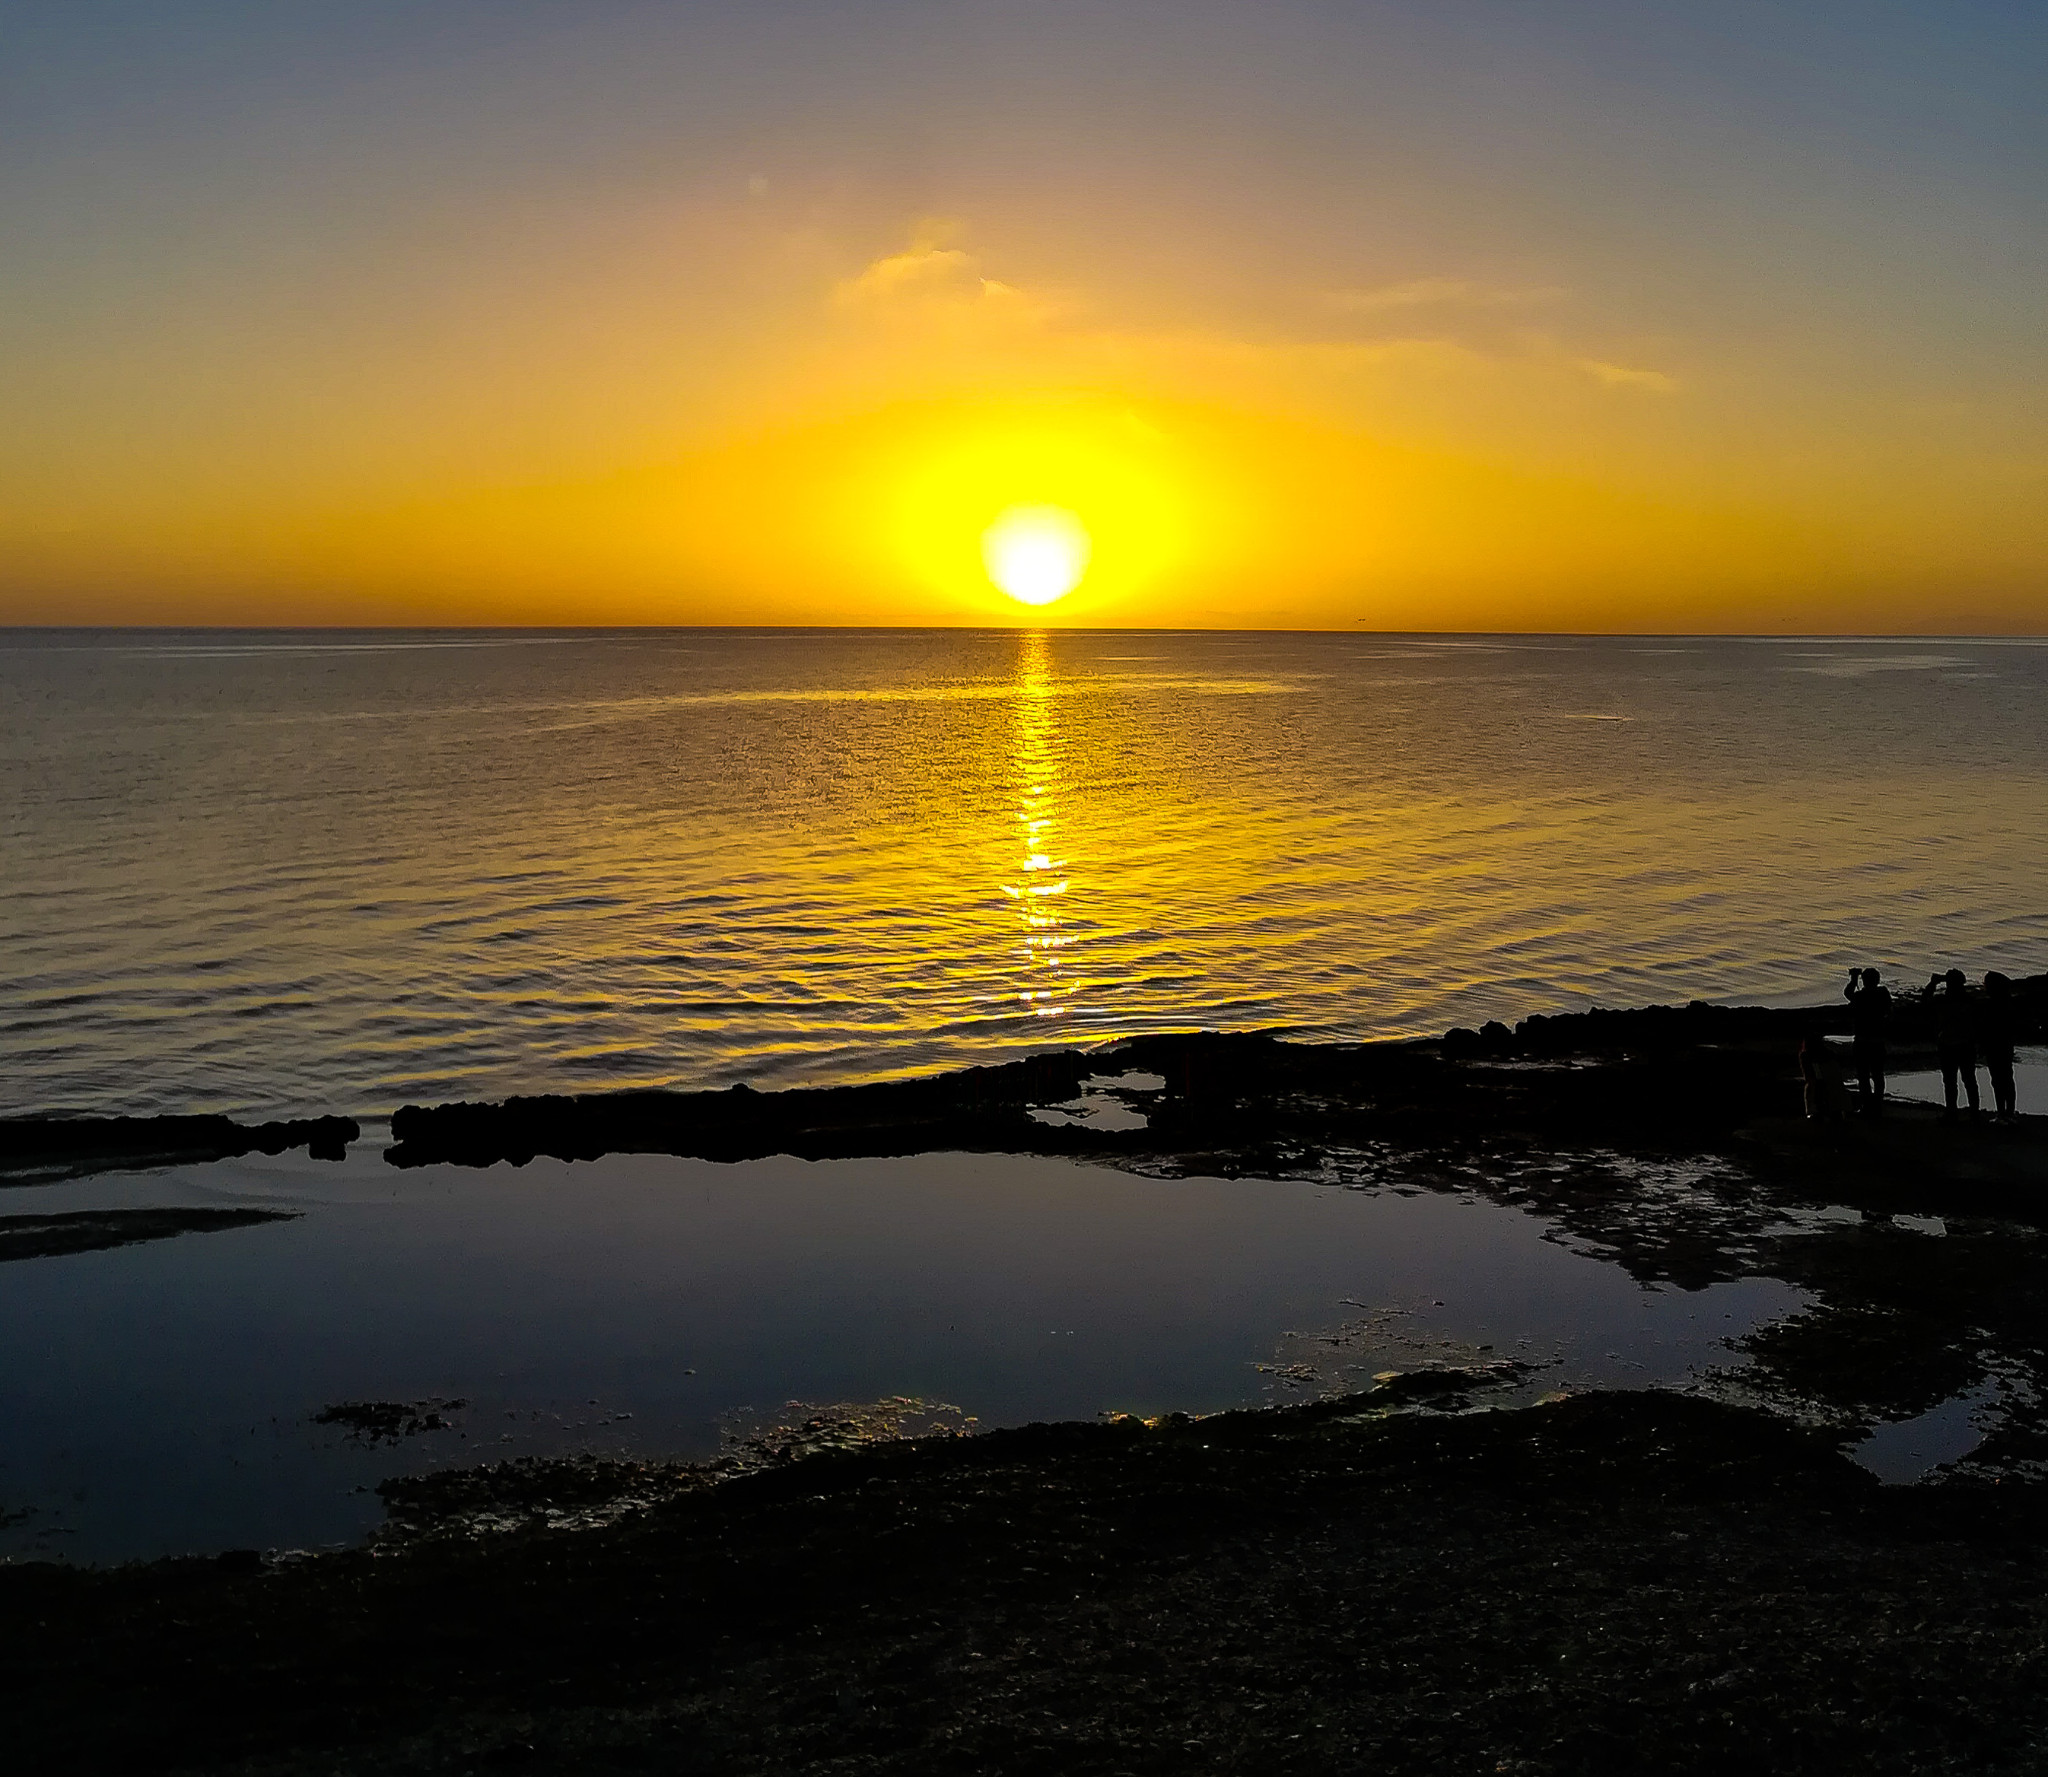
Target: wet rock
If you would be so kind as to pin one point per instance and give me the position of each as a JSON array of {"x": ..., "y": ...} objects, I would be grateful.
[
  {"x": 1670, "y": 1074},
  {"x": 36, "y": 1148},
  {"x": 386, "y": 1422},
  {"x": 95, "y": 1230},
  {"x": 1442, "y": 1387}
]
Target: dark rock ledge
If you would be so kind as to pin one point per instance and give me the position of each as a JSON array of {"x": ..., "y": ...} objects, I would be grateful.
[
  {"x": 45, "y": 1148},
  {"x": 1218, "y": 1088},
  {"x": 1694, "y": 1076}
]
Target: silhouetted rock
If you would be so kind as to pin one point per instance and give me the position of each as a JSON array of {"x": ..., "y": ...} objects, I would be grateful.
[
  {"x": 67, "y": 1146},
  {"x": 373, "y": 1422},
  {"x": 95, "y": 1230},
  {"x": 1694, "y": 1074}
]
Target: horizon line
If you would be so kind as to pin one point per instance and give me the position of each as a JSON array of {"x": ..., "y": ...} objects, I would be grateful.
[{"x": 1696, "y": 635}]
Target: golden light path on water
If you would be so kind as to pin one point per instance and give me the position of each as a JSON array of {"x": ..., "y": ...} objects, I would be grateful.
[{"x": 1042, "y": 876}]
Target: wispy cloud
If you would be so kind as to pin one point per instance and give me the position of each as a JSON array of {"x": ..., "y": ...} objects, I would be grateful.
[
  {"x": 1437, "y": 293},
  {"x": 936, "y": 293},
  {"x": 932, "y": 276},
  {"x": 1623, "y": 376},
  {"x": 927, "y": 263},
  {"x": 1320, "y": 358}
]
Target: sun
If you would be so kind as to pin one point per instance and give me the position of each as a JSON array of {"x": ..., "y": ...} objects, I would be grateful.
[{"x": 1036, "y": 553}]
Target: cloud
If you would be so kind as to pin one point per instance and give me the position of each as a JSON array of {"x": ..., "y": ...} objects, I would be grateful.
[
  {"x": 933, "y": 283},
  {"x": 1622, "y": 376},
  {"x": 932, "y": 305},
  {"x": 1477, "y": 317},
  {"x": 925, "y": 265},
  {"x": 1320, "y": 358},
  {"x": 1458, "y": 293}
]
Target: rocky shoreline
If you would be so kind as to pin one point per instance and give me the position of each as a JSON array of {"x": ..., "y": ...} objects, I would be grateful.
[
  {"x": 1617, "y": 1582},
  {"x": 41, "y": 1150},
  {"x": 1670, "y": 1074},
  {"x": 1392, "y": 1580},
  {"x": 1695, "y": 1075}
]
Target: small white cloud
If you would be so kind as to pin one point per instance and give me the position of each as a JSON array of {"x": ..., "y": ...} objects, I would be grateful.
[{"x": 1623, "y": 376}]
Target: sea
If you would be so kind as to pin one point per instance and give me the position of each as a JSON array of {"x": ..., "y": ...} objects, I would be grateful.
[
  {"x": 277, "y": 872},
  {"x": 287, "y": 872}
]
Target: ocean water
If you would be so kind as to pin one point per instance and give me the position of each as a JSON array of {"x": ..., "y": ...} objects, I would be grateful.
[{"x": 270, "y": 872}]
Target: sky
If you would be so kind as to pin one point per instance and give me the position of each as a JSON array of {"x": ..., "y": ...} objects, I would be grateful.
[{"x": 1581, "y": 316}]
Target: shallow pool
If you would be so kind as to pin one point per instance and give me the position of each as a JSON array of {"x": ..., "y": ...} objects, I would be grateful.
[
  {"x": 2029, "y": 1085},
  {"x": 162, "y": 1397}
]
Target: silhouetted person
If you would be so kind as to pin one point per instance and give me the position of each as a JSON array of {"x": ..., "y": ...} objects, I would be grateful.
[
  {"x": 1870, "y": 1010},
  {"x": 1822, "y": 1074},
  {"x": 1955, "y": 1038},
  {"x": 1997, "y": 1028}
]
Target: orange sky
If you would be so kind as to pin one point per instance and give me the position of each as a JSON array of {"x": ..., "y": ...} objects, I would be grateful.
[{"x": 609, "y": 323}]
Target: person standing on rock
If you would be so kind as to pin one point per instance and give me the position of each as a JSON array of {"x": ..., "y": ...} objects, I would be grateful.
[
  {"x": 1955, "y": 1039},
  {"x": 1870, "y": 1010},
  {"x": 1997, "y": 1029}
]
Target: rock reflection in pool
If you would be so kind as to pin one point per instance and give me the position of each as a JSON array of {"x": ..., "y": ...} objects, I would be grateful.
[{"x": 162, "y": 1397}]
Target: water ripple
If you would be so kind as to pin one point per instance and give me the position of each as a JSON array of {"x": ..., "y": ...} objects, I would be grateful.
[{"x": 261, "y": 873}]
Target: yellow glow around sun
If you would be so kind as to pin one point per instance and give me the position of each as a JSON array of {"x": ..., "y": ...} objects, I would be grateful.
[
  {"x": 1036, "y": 553},
  {"x": 1073, "y": 503}
]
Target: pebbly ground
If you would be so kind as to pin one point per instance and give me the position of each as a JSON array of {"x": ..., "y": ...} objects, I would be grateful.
[
  {"x": 1616, "y": 1582},
  {"x": 1619, "y": 1582}
]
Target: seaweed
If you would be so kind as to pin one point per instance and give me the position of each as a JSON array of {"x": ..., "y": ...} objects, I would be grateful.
[{"x": 387, "y": 1422}]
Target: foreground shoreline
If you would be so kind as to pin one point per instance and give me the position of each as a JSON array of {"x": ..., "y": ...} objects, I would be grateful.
[{"x": 1612, "y": 1581}]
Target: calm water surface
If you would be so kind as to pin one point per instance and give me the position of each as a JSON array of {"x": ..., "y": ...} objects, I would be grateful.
[
  {"x": 298, "y": 872},
  {"x": 162, "y": 1397}
]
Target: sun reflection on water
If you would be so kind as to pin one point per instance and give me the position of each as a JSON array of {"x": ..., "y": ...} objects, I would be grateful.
[
  {"x": 1041, "y": 874},
  {"x": 642, "y": 861}
]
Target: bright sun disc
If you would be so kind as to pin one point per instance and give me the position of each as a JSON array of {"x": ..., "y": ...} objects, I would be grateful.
[{"x": 1036, "y": 553}]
